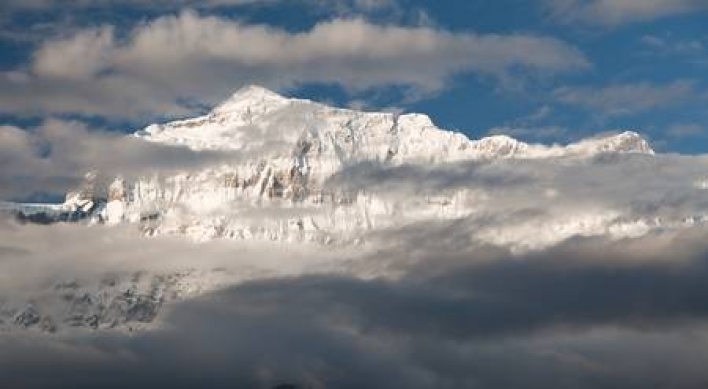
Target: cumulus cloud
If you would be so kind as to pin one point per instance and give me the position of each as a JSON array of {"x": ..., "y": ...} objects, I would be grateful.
[
  {"x": 197, "y": 59},
  {"x": 86, "y": 54},
  {"x": 628, "y": 99},
  {"x": 615, "y": 12}
]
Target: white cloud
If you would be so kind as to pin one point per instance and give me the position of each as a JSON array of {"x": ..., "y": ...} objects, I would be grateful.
[
  {"x": 83, "y": 55},
  {"x": 615, "y": 12},
  {"x": 204, "y": 58},
  {"x": 670, "y": 45},
  {"x": 626, "y": 99}
]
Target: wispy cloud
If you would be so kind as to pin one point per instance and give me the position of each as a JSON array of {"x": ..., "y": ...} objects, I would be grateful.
[
  {"x": 628, "y": 99},
  {"x": 616, "y": 12},
  {"x": 687, "y": 130},
  {"x": 672, "y": 45}
]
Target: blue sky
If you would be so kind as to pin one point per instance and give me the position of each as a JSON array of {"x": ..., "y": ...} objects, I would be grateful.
[{"x": 543, "y": 71}]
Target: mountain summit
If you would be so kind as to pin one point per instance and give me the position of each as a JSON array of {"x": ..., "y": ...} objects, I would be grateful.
[{"x": 250, "y": 97}]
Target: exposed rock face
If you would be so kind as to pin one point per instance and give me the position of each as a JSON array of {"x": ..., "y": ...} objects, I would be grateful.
[
  {"x": 27, "y": 317},
  {"x": 123, "y": 301}
]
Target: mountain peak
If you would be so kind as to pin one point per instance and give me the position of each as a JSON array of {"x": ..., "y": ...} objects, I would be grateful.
[
  {"x": 253, "y": 90},
  {"x": 249, "y": 96}
]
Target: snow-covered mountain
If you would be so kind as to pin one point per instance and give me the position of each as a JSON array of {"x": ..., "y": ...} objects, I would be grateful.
[
  {"x": 287, "y": 154},
  {"x": 300, "y": 172}
]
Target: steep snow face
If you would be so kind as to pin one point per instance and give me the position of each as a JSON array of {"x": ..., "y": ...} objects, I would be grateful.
[{"x": 285, "y": 181}]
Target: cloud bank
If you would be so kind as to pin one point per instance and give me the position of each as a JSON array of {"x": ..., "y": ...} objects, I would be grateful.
[{"x": 587, "y": 313}]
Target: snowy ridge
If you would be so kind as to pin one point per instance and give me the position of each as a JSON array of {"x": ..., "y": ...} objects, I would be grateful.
[{"x": 253, "y": 116}]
